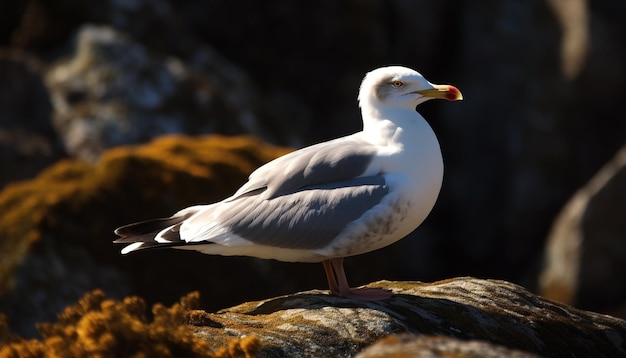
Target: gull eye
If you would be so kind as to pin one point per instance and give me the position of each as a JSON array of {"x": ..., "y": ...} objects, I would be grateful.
[{"x": 397, "y": 84}]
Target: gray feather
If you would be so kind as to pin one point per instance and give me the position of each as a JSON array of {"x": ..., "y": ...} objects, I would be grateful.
[
  {"x": 327, "y": 162},
  {"x": 309, "y": 218}
]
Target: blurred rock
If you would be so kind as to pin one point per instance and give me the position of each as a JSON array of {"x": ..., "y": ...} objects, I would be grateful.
[
  {"x": 56, "y": 230},
  {"x": 586, "y": 249},
  {"x": 314, "y": 324},
  {"x": 27, "y": 140},
  {"x": 526, "y": 136},
  {"x": 573, "y": 16},
  {"x": 114, "y": 91}
]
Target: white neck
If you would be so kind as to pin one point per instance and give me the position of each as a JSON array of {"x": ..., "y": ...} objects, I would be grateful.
[
  {"x": 380, "y": 130},
  {"x": 408, "y": 132}
]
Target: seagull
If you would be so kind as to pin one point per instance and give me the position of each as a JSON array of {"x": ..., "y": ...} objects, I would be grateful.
[{"x": 328, "y": 201}]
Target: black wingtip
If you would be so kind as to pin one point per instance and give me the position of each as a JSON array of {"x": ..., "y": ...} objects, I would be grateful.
[{"x": 146, "y": 226}]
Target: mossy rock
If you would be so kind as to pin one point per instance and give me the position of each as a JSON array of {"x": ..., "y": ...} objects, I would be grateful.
[
  {"x": 56, "y": 230},
  {"x": 97, "y": 326}
]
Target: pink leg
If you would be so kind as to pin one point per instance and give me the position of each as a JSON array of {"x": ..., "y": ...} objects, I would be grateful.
[
  {"x": 330, "y": 276},
  {"x": 338, "y": 284}
]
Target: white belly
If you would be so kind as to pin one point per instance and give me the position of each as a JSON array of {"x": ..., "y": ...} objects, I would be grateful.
[{"x": 401, "y": 211}]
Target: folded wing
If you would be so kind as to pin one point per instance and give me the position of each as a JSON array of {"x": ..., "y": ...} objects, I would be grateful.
[{"x": 299, "y": 201}]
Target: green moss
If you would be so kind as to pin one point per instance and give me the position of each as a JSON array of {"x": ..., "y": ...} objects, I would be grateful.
[{"x": 100, "y": 327}]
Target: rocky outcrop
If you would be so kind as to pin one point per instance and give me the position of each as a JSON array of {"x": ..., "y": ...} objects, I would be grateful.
[
  {"x": 465, "y": 317},
  {"x": 314, "y": 324},
  {"x": 586, "y": 249},
  {"x": 114, "y": 91}
]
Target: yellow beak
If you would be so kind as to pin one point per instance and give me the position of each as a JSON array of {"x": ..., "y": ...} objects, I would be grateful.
[{"x": 448, "y": 92}]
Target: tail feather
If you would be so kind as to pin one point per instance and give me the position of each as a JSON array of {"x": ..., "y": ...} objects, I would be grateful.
[
  {"x": 141, "y": 235},
  {"x": 145, "y": 238},
  {"x": 149, "y": 226},
  {"x": 139, "y": 245}
]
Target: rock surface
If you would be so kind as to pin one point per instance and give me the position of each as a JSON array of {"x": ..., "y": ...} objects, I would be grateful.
[
  {"x": 314, "y": 324},
  {"x": 460, "y": 317},
  {"x": 586, "y": 249},
  {"x": 411, "y": 345},
  {"x": 114, "y": 91},
  {"x": 97, "y": 326}
]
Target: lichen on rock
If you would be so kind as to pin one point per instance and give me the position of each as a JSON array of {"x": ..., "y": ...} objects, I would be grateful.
[
  {"x": 464, "y": 316},
  {"x": 56, "y": 230},
  {"x": 502, "y": 316},
  {"x": 100, "y": 327}
]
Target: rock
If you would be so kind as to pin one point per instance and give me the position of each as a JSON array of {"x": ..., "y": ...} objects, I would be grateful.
[
  {"x": 533, "y": 143},
  {"x": 315, "y": 324},
  {"x": 464, "y": 317},
  {"x": 411, "y": 345},
  {"x": 114, "y": 91},
  {"x": 99, "y": 326},
  {"x": 56, "y": 230},
  {"x": 586, "y": 252}
]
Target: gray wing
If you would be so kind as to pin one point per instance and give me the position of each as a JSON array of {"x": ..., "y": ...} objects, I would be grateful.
[
  {"x": 340, "y": 159},
  {"x": 308, "y": 218},
  {"x": 300, "y": 200}
]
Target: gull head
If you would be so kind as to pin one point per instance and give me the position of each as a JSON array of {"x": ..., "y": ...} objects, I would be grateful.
[{"x": 397, "y": 87}]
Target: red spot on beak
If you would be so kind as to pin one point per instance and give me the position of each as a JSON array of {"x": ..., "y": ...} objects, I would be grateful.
[{"x": 453, "y": 94}]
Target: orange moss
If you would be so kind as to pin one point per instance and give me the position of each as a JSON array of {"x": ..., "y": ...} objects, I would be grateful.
[
  {"x": 99, "y": 327},
  {"x": 24, "y": 208},
  {"x": 74, "y": 200},
  {"x": 247, "y": 347}
]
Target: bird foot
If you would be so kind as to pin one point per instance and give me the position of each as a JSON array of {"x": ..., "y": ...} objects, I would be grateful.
[{"x": 339, "y": 284}]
